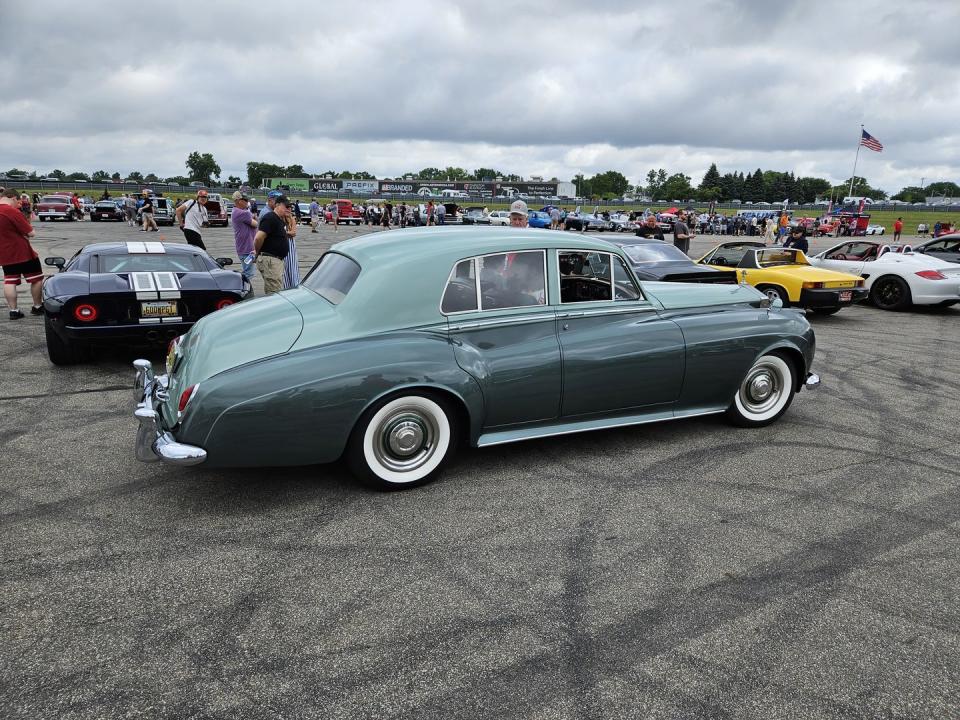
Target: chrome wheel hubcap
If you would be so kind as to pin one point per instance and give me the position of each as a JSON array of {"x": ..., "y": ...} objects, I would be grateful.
[
  {"x": 406, "y": 439},
  {"x": 761, "y": 389}
]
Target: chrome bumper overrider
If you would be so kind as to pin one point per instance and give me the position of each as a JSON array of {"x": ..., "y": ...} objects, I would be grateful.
[
  {"x": 812, "y": 382},
  {"x": 153, "y": 443}
]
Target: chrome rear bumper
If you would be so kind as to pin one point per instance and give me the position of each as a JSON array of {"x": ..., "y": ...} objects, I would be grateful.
[{"x": 154, "y": 443}]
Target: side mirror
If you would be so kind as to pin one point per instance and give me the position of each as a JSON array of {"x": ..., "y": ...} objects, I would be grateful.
[
  {"x": 59, "y": 262},
  {"x": 223, "y": 261}
]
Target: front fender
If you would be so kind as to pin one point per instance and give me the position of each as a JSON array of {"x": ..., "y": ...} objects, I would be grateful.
[{"x": 300, "y": 408}]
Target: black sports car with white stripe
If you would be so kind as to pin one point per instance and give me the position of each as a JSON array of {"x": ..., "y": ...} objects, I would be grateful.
[{"x": 132, "y": 293}]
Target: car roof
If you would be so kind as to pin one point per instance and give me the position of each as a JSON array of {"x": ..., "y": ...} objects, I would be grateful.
[
  {"x": 150, "y": 248},
  {"x": 452, "y": 243}
]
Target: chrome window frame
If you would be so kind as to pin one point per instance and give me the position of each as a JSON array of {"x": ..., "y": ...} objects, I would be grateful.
[
  {"x": 476, "y": 272},
  {"x": 613, "y": 299}
]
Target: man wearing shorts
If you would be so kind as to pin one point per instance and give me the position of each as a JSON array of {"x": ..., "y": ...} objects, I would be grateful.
[
  {"x": 271, "y": 245},
  {"x": 18, "y": 258}
]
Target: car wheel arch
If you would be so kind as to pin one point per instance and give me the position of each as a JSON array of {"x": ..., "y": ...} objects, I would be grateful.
[{"x": 793, "y": 355}]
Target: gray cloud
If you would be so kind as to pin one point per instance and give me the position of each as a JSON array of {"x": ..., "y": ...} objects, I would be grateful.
[{"x": 397, "y": 87}]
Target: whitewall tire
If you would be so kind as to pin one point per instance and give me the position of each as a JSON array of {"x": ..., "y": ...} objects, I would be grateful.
[
  {"x": 403, "y": 441},
  {"x": 765, "y": 392}
]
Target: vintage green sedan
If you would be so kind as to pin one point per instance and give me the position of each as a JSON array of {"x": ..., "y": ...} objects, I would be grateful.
[{"x": 400, "y": 345}]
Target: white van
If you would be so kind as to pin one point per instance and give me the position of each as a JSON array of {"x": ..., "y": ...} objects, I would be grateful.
[{"x": 454, "y": 194}]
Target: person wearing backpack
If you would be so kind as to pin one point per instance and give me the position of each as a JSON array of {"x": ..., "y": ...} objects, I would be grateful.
[{"x": 192, "y": 216}]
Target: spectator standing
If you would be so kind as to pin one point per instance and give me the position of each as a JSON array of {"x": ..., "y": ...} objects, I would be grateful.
[
  {"x": 784, "y": 225},
  {"x": 387, "y": 215},
  {"x": 77, "y": 207},
  {"x": 26, "y": 209},
  {"x": 146, "y": 213},
  {"x": 650, "y": 229},
  {"x": 681, "y": 233},
  {"x": 192, "y": 217},
  {"x": 271, "y": 245},
  {"x": 441, "y": 211},
  {"x": 768, "y": 238},
  {"x": 430, "y": 213},
  {"x": 291, "y": 272},
  {"x": 937, "y": 227},
  {"x": 130, "y": 209},
  {"x": 335, "y": 216},
  {"x": 518, "y": 214},
  {"x": 554, "y": 218},
  {"x": 17, "y": 257},
  {"x": 897, "y": 229},
  {"x": 314, "y": 215},
  {"x": 244, "y": 230},
  {"x": 403, "y": 215},
  {"x": 797, "y": 239}
]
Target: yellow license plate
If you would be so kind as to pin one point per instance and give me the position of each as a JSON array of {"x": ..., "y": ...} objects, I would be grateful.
[{"x": 163, "y": 308}]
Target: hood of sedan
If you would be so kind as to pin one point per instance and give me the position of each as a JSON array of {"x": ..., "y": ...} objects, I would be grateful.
[{"x": 675, "y": 296}]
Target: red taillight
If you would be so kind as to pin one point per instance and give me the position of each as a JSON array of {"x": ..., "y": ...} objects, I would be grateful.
[
  {"x": 931, "y": 275},
  {"x": 226, "y": 302},
  {"x": 85, "y": 312},
  {"x": 185, "y": 397}
]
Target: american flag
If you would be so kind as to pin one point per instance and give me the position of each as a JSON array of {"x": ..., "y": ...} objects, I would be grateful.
[{"x": 870, "y": 142}]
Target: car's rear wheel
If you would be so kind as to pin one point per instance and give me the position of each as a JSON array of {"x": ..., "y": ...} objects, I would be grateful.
[
  {"x": 775, "y": 291},
  {"x": 59, "y": 350},
  {"x": 403, "y": 441},
  {"x": 890, "y": 293},
  {"x": 764, "y": 394}
]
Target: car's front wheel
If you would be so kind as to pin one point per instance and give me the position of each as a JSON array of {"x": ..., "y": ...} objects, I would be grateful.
[
  {"x": 764, "y": 394},
  {"x": 403, "y": 441}
]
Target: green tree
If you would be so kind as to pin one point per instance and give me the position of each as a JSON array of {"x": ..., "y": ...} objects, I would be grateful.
[
  {"x": 78, "y": 176},
  {"x": 946, "y": 188},
  {"x": 456, "y": 174},
  {"x": 430, "y": 173},
  {"x": 116, "y": 176},
  {"x": 810, "y": 188},
  {"x": 179, "y": 180},
  {"x": 59, "y": 174},
  {"x": 610, "y": 183},
  {"x": 911, "y": 194},
  {"x": 257, "y": 172},
  {"x": 295, "y": 171},
  {"x": 485, "y": 174},
  {"x": 860, "y": 188},
  {"x": 202, "y": 166},
  {"x": 753, "y": 187},
  {"x": 363, "y": 175},
  {"x": 711, "y": 178},
  {"x": 135, "y": 176},
  {"x": 151, "y": 178},
  {"x": 235, "y": 180},
  {"x": 676, "y": 187},
  {"x": 100, "y": 176}
]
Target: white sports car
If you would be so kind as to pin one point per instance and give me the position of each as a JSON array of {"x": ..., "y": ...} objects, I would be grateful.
[
  {"x": 499, "y": 217},
  {"x": 896, "y": 277},
  {"x": 874, "y": 230}
]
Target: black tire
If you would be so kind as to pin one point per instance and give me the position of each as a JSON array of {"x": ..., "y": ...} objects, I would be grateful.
[
  {"x": 823, "y": 312},
  {"x": 59, "y": 350},
  {"x": 377, "y": 452},
  {"x": 890, "y": 293},
  {"x": 765, "y": 392},
  {"x": 775, "y": 291}
]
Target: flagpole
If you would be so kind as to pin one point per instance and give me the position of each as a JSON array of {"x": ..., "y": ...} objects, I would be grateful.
[{"x": 855, "y": 158}]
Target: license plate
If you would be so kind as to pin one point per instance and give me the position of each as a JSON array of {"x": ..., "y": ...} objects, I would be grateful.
[
  {"x": 846, "y": 296},
  {"x": 163, "y": 308},
  {"x": 104, "y": 214}
]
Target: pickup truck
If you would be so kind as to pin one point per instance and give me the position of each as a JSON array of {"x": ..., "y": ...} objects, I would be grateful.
[{"x": 346, "y": 213}]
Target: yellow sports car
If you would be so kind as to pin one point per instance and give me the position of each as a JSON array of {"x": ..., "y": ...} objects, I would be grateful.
[{"x": 785, "y": 273}]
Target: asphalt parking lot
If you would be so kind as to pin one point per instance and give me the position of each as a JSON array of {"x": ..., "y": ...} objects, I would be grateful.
[{"x": 810, "y": 569}]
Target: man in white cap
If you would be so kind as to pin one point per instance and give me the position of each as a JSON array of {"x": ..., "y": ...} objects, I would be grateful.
[{"x": 518, "y": 214}]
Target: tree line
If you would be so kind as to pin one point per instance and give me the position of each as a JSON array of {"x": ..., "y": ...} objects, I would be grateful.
[{"x": 760, "y": 185}]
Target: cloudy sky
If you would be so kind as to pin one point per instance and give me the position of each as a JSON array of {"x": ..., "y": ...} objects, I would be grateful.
[{"x": 546, "y": 88}]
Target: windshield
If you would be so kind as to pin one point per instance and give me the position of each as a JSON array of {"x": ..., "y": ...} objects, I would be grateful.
[
  {"x": 332, "y": 277},
  {"x": 650, "y": 253},
  {"x": 769, "y": 258}
]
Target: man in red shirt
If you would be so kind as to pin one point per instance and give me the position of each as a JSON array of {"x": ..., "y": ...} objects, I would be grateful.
[
  {"x": 17, "y": 257},
  {"x": 77, "y": 207},
  {"x": 897, "y": 229}
]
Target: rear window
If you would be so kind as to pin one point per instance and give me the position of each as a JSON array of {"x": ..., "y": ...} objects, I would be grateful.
[
  {"x": 142, "y": 262},
  {"x": 55, "y": 199},
  {"x": 332, "y": 277}
]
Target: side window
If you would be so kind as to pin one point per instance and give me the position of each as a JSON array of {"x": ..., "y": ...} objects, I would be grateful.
[
  {"x": 509, "y": 280},
  {"x": 460, "y": 294},
  {"x": 584, "y": 276},
  {"x": 623, "y": 286}
]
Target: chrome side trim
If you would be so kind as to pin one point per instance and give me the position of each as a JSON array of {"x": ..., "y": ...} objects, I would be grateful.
[
  {"x": 149, "y": 321},
  {"x": 607, "y": 311},
  {"x": 495, "y": 322},
  {"x": 521, "y": 434}
]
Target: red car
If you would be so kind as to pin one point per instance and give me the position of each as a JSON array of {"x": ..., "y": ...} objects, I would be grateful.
[
  {"x": 216, "y": 210},
  {"x": 346, "y": 213},
  {"x": 56, "y": 207}
]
